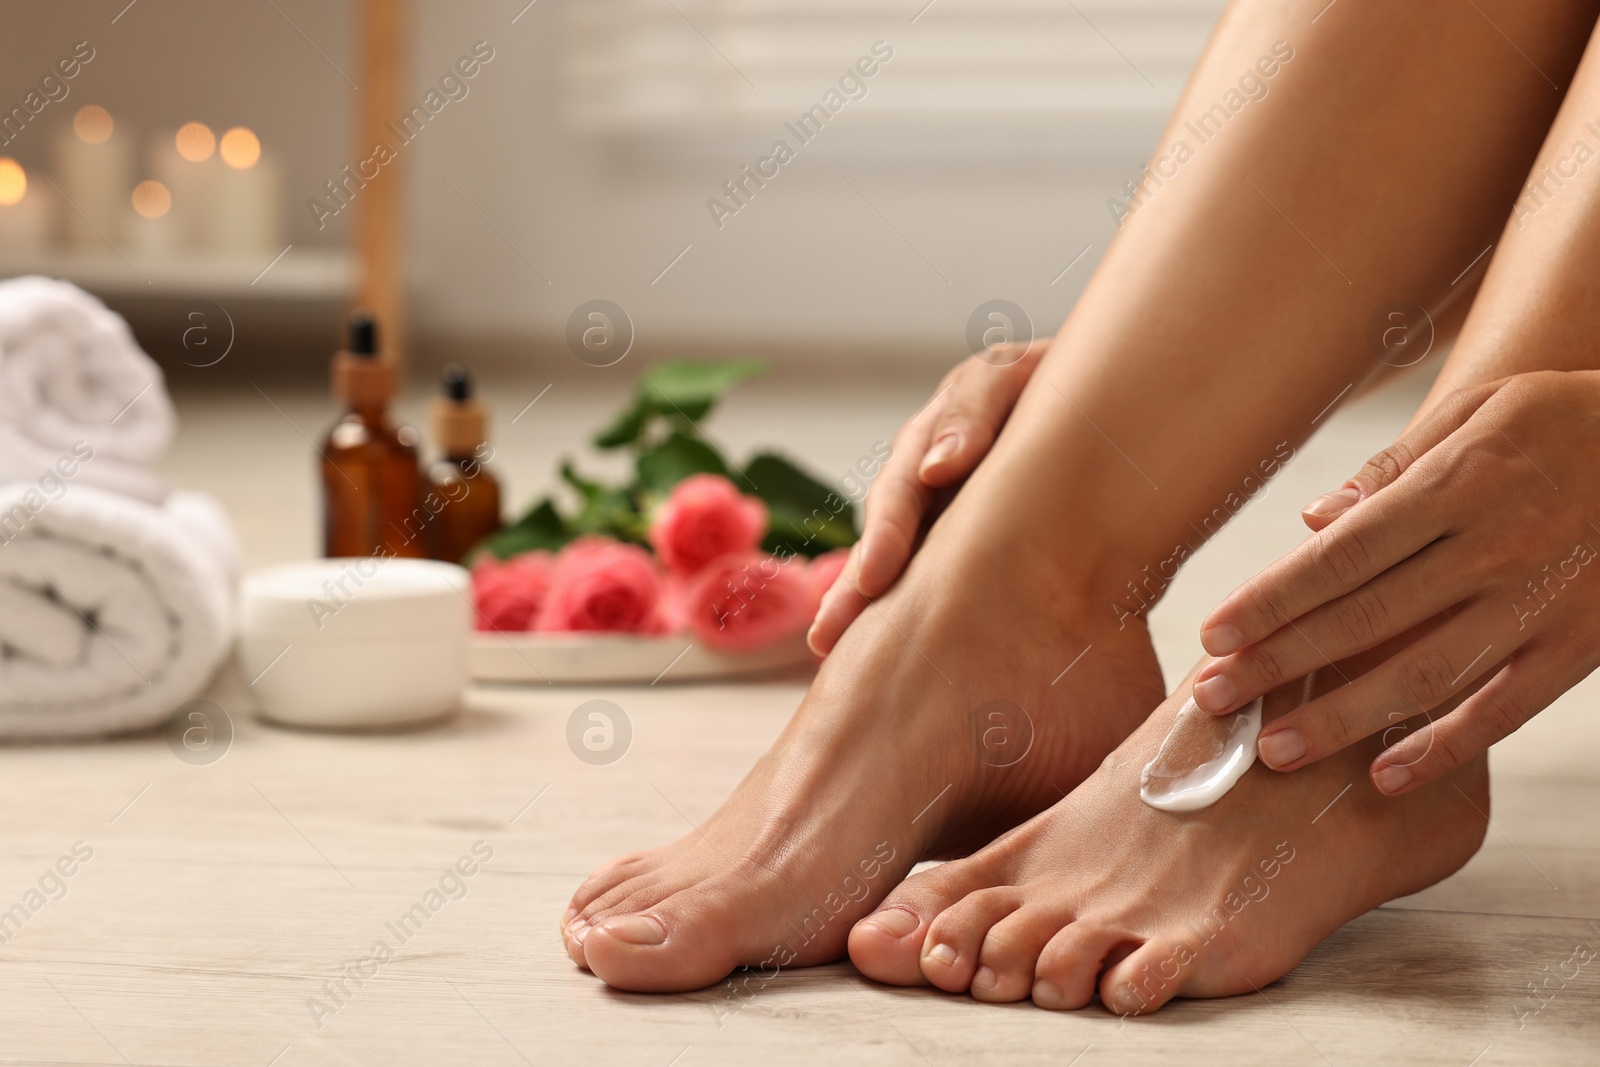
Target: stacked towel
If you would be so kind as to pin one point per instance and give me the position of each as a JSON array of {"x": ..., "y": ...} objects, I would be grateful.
[
  {"x": 116, "y": 595},
  {"x": 113, "y": 612},
  {"x": 71, "y": 372}
]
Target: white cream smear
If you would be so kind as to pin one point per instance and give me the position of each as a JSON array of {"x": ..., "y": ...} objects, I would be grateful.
[{"x": 1201, "y": 758}]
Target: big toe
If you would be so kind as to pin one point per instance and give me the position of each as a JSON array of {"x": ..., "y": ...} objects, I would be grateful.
[
  {"x": 886, "y": 946},
  {"x": 689, "y": 940}
]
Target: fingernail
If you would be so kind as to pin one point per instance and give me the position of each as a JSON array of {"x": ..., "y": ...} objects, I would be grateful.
[
  {"x": 811, "y": 641},
  {"x": 1329, "y": 504},
  {"x": 896, "y": 922},
  {"x": 1216, "y": 694},
  {"x": 635, "y": 929},
  {"x": 985, "y": 979},
  {"x": 1221, "y": 639},
  {"x": 863, "y": 556},
  {"x": 942, "y": 953},
  {"x": 1047, "y": 994},
  {"x": 1281, "y": 748},
  {"x": 942, "y": 449},
  {"x": 1391, "y": 779}
]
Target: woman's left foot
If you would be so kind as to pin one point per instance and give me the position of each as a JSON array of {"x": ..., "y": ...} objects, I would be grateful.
[{"x": 1102, "y": 892}]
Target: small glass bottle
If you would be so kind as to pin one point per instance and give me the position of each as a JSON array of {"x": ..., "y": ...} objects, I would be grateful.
[
  {"x": 370, "y": 480},
  {"x": 462, "y": 491}
]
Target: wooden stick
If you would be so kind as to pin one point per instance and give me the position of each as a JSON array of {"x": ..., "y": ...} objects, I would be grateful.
[{"x": 380, "y": 236}]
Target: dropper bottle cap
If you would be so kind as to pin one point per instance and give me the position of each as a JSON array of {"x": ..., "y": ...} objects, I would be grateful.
[
  {"x": 459, "y": 419},
  {"x": 361, "y": 377}
]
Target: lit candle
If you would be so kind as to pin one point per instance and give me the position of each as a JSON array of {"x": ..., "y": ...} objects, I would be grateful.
[
  {"x": 187, "y": 165},
  {"x": 93, "y": 161},
  {"x": 151, "y": 228},
  {"x": 24, "y": 214},
  {"x": 246, "y": 211}
]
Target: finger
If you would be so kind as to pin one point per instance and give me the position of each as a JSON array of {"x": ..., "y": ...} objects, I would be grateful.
[
  {"x": 979, "y": 403},
  {"x": 1430, "y": 582},
  {"x": 839, "y": 608},
  {"x": 1527, "y": 685},
  {"x": 896, "y": 503},
  {"x": 1329, "y": 564},
  {"x": 1383, "y": 469},
  {"x": 1413, "y": 681}
]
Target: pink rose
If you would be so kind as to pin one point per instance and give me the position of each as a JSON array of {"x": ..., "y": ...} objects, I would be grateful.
[
  {"x": 705, "y": 517},
  {"x": 825, "y": 570},
  {"x": 508, "y": 593},
  {"x": 602, "y": 585},
  {"x": 749, "y": 600}
]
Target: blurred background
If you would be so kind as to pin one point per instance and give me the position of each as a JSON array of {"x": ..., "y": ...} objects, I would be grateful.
[
  {"x": 975, "y": 164},
  {"x": 211, "y": 171}
]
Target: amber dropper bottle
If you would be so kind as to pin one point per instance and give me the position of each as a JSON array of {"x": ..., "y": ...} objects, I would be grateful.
[
  {"x": 370, "y": 481},
  {"x": 461, "y": 486}
]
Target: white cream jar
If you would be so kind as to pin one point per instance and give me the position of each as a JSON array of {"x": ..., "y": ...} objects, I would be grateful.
[{"x": 359, "y": 642}]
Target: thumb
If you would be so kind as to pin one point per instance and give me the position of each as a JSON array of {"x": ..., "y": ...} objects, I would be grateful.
[{"x": 1438, "y": 423}]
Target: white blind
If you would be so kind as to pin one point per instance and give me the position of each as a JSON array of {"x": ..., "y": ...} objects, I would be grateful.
[{"x": 1050, "y": 74}]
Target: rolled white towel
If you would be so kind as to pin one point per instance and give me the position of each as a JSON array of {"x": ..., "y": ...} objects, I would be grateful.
[
  {"x": 113, "y": 612},
  {"x": 71, "y": 373}
]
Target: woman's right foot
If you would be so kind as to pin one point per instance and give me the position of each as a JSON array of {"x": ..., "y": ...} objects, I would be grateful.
[
  {"x": 1104, "y": 893},
  {"x": 956, "y": 707}
]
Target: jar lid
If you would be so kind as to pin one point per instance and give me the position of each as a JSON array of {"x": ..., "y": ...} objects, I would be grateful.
[{"x": 357, "y": 597}]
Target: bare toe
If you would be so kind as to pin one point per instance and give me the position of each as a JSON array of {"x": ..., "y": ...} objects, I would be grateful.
[
  {"x": 887, "y": 945},
  {"x": 950, "y": 948},
  {"x": 1069, "y": 967},
  {"x": 1010, "y": 951}
]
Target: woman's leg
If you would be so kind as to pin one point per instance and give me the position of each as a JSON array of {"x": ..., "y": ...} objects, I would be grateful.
[
  {"x": 1183, "y": 908},
  {"x": 1539, "y": 307},
  {"x": 1012, "y": 656}
]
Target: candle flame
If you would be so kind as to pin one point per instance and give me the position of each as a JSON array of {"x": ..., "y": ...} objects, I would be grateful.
[
  {"x": 13, "y": 182},
  {"x": 92, "y": 124},
  {"x": 151, "y": 199},
  {"x": 240, "y": 148},
  {"x": 196, "y": 142}
]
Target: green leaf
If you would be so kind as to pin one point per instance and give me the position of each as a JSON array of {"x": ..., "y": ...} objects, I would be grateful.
[
  {"x": 587, "y": 489},
  {"x": 682, "y": 392},
  {"x": 690, "y": 388},
  {"x": 675, "y": 459},
  {"x": 625, "y": 428},
  {"x": 806, "y": 516},
  {"x": 542, "y": 527},
  {"x": 602, "y": 509}
]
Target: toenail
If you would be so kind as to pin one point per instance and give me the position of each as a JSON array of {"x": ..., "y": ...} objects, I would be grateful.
[
  {"x": 942, "y": 953},
  {"x": 636, "y": 929},
  {"x": 1216, "y": 694},
  {"x": 896, "y": 922},
  {"x": 985, "y": 979},
  {"x": 572, "y": 913},
  {"x": 1392, "y": 779},
  {"x": 1282, "y": 748},
  {"x": 1047, "y": 994},
  {"x": 578, "y": 931},
  {"x": 1221, "y": 639}
]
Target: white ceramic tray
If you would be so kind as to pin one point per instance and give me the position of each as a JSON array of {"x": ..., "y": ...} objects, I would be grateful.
[{"x": 589, "y": 659}]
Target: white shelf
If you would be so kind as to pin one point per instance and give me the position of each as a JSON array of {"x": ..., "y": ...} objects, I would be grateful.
[{"x": 302, "y": 273}]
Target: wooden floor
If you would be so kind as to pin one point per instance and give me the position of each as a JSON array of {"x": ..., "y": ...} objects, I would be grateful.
[{"x": 221, "y": 901}]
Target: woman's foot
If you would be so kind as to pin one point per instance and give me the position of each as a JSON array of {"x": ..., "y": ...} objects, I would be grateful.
[
  {"x": 1103, "y": 893},
  {"x": 945, "y": 715}
]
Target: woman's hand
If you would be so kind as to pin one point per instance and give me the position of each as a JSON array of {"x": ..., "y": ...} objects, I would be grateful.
[
  {"x": 934, "y": 451},
  {"x": 1488, "y": 512}
]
